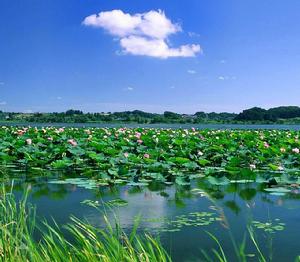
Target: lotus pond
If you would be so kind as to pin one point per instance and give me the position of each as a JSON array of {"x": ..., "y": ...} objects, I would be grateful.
[
  {"x": 194, "y": 189},
  {"x": 116, "y": 155}
]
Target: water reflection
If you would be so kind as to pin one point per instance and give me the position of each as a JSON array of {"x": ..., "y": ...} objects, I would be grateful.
[
  {"x": 228, "y": 208},
  {"x": 228, "y": 195}
]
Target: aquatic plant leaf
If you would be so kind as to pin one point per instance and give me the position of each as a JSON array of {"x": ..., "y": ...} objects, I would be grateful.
[
  {"x": 277, "y": 190},
  {"x": 218, "y": 181}
]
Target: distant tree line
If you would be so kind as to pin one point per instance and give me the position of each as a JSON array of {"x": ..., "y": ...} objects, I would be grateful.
[
  {"x": 272, "y": 114},
  {"x": 283, "y": 114}
]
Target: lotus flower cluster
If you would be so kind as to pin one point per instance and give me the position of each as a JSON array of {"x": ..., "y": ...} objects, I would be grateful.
[{"x": 150, "y": 152}]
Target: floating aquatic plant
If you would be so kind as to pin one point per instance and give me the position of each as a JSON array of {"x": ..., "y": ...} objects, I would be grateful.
[
  {"x": 195, "y": 219},
  {"x": 96, "y": 203},
  {"x": 137, "y": 155},
  {"x": 270, "y": 227}
]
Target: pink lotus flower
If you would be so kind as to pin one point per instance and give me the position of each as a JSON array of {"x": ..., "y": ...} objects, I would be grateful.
[
  {"x": 266, "y": 145},
  {"x": 138, "y": 135},
  {"x": 60, "y": 130},
  {"x": 146, "y": 156},
  {"x": 72, "y": 142},
  {"x": 20, "y": 132},
  {"x": 28, "y": 141},
  {"x": 140, "y": 141},
  {"x": 126, "y": 154},
  {"x": 193, "y": 129},
  {"x": 296, "y": 150},
  {"x": 50, "y": 138}
]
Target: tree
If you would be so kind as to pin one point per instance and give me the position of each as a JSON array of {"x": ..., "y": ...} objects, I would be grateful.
[
  {"x": 255, "y": 113},
  {"x": 171, "y": 115}
]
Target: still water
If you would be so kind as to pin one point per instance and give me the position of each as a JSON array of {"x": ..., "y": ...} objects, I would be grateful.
[{"x": 181, "y": 215}]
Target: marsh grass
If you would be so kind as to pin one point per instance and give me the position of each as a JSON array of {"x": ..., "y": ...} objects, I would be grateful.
[
  {"x": 86, "y": 242},
  {"x": 81, "y": 241}
]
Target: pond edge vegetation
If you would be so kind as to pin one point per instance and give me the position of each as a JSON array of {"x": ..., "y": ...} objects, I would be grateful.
[{"x": 18, "y": 243}]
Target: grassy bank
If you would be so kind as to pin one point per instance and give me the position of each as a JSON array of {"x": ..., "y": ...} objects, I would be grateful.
[{"x": 85, "y": 242}]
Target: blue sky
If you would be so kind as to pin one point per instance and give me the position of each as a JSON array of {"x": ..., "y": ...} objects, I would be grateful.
[{"x": 158, "y": 55}]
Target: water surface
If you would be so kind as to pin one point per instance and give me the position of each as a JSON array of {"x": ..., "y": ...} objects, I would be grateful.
[{"x": 179, "y": 214}]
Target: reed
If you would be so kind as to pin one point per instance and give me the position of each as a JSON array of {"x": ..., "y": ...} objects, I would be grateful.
[{"x": 85, "y": 242}]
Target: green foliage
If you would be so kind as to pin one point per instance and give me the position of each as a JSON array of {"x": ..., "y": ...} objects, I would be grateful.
[
  {"x": 139, "y": 155},
  {"x": 272, "y": 114}
]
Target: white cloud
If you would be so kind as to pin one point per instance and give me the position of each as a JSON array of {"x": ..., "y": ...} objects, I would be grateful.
[
  {"x": 59, "y": 98},
  {"x": 142, "y": 34},
  {"x": 223, "y": 61},
  {"x": 190, "y": 71},
  {"x": 137, "y": 45},
  {"x": 3, "y": 103},
  {"x": 223, "y": 78},
  {"x": 193, "y": 34},
  {"x": 129, "y": 88},
  {"x": 115, "y": 22}
]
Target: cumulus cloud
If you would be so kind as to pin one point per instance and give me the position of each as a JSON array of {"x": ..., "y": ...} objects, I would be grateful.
[
  {"x": 142, "y": 34},
  {"x": 191, "y": 71}
]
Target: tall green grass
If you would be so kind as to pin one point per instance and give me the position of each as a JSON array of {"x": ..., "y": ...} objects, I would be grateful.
[{"x": 86, "y": 243}]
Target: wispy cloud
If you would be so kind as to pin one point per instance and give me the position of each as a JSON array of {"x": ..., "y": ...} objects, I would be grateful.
[
  {"x": 3, "y": 103},
  {"x": 223, "y": 61},
  {"x": 143, "y": 34},
  {"x": 193, "y": 34},
  {"x": 129, "y": 88},
  {"x": 224, "y": 78},
  {"x": 191, "y": 71}
]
